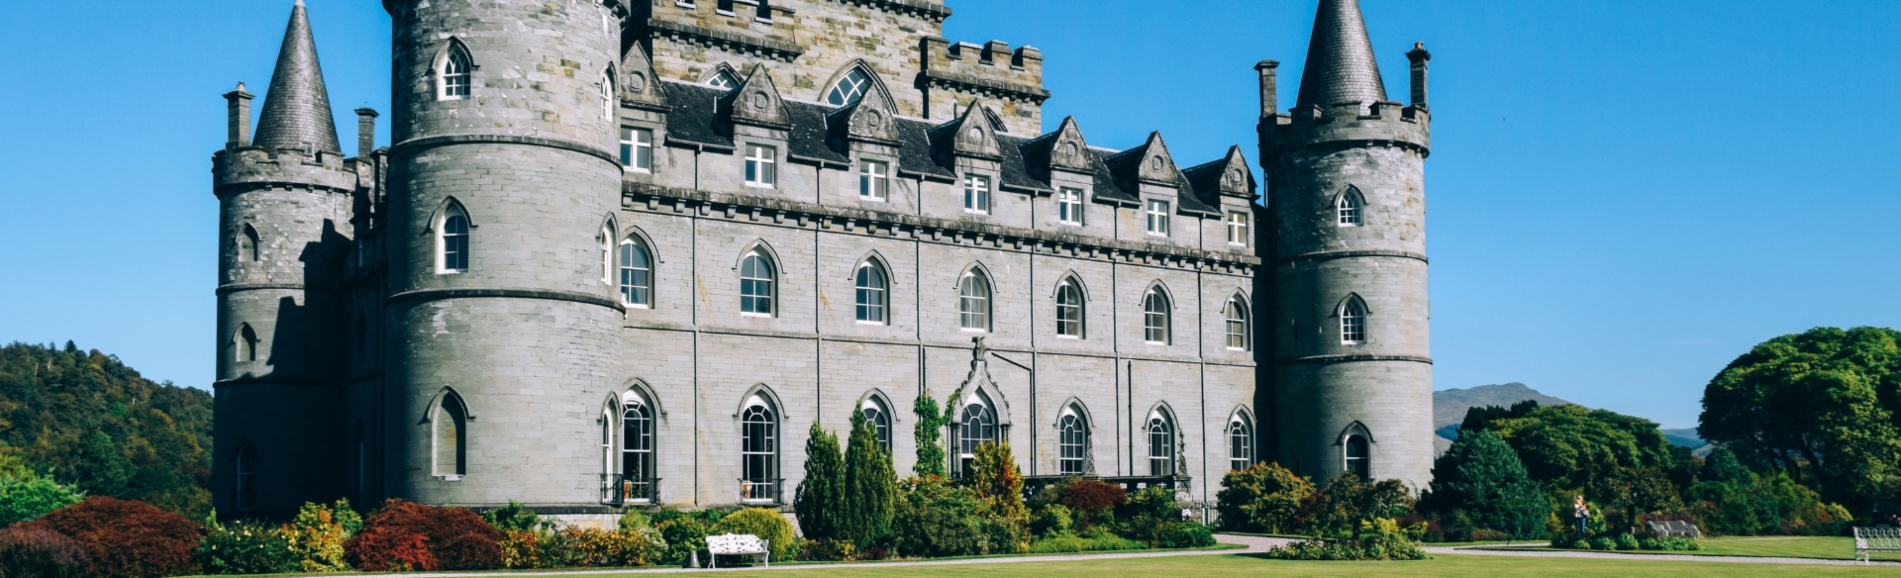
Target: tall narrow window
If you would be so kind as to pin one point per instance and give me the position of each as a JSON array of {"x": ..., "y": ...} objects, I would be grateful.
[
  {"x": 636, "y": 149},
  {"x": 879, "y": 418},
  {"x": 756, "y": 285},
  {"x": 610, "y": 100},
  {"x": 454, "y": 76},
  {"x": 1358, "y": 458},
  {"x": 1237, "y": 228},
  {"x": 245, "y": 478},
  {"x": 1161, "y": 430},
  {"x": 978, "y": 426},
  {"x": 450, "y": 424},
  {"x": 973, "y": 301},
  {"x": 1069, "y": 309},
  {"x": 850, "y": 88},
  {"x": 1353, "y": 322},
  {"x": 1072, "y": 442},
  {"x": 1069, "y": 206},
  {"x": 609, "y": 420},
  {"x": 637, "y": 448},
  {"x": 976, "y": 194},
  {"x": 723, "y": 80},
  {"x": 1155, "y": 317},
  {"x": 245, "y": 343},
  {"x": 606, "y": 241},
  {"x": 248, "y": 244},
  {"x": 874, "y": 180},
  {"x": 1158, "y": 218},
  {"x": 759, "y": 452},
  {"x": 762, "y": 166},
  {"x": 872, "y": 290},
  {"x": 1236, "y": 314},
  {"x": 1240, "y": 442},
  {"x": 452, "y": 253},
  {"x": 1349, "y": 209},
  {"x": 636, "y": 273}
]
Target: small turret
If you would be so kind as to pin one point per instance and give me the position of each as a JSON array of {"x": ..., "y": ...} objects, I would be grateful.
[
  {"x": 297, "y": 108},
  {"x": 1340, "y": 65}
]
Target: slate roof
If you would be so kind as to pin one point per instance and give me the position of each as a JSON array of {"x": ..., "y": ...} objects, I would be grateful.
[
  {"x": 694, "y": 120},
  {"x": 1340, "y": 65},
  {"x": 297, "y": 107}
]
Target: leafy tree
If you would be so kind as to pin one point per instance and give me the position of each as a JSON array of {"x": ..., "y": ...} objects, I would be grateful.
[
  {"x": 1823, "y": 406},
  {"x": 929, "y": 431},
  {"x": 871, "y": 485},
  {"x": 1263, "y": 498},
  {"x": 26, "y": 498},
  {"x": 997, "y": 483},
  {"x": 1568, "y": 447},
  {"x": 1349, "y": 505},
  {"x": 1481, "y": 478},
  {"x": 1722, "y": 466},
  {"x": 820, "y": 500}
]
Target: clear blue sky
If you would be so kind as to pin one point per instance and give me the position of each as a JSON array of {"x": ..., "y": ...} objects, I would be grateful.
[{"x": 1625, "y": 195}]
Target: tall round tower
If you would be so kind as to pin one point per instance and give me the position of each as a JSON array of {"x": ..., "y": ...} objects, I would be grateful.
[
  {"x": 504, "y": 336},
  {"x": 1351, "y": 383},
  {"x": 284, "y": 226}
]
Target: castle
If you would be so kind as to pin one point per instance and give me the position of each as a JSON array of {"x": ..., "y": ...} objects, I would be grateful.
[{"x": 626, "y": 252}]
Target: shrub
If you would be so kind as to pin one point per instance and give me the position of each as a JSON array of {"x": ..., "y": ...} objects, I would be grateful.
[
  {"x": 597, "y": 548},
  {"x": 821, "y": 549},
  {"x": 995, "y": 480},
  {"x": 456, "y": 539},
  {"x": 248, "y": 548},
  {"x": 128, "y": 538},
  {"x": 1184, "y": 535},
  {"x": 934, "y": 519},
  {"x": 1382, "y": 539},
  {"x": 512, "y": 517},
  {"x": 820, "y": 499},
  {"x": 685, "y": 533},
  {"x": 1051, "y": 520},
  {"x": 1349, "y": 506},
  {"x": 32, "y": 552},
  {"x": 764, "y": 523},
  {"x": 521, "y": 549},
  {"x": 1089, "y": 500},
  {"x": 317, "y": 534},
  {"x": 871, "y": 485},
  {"x": 1262, "y": 498},
  {"x": 1626, "y": 542},
  {"x": 1670, "y": 543},
  {"x": 1066, "y": 543},
  {"x": 1603, "y": 543},
  {"x": 26, "y": 498}
]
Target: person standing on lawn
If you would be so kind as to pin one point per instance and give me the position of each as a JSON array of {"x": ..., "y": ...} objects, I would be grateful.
[{"x": 1582, "y": 513}]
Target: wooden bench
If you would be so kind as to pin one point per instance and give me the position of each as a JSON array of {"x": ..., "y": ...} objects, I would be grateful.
[
  {"x": 1666, "y": 528},
  {"x": 739, "y": 544},
  {"x": 1871, "y": 540}
]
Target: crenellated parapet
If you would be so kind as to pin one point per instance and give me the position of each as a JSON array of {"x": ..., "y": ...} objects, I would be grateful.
[
  {"x": 248, "y": 168},
  {"x": 955, "y": 74},
  {"x": 1349, "y": 124}
]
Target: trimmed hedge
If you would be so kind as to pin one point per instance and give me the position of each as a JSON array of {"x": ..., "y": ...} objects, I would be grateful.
[{"x": 452, "y": 538}]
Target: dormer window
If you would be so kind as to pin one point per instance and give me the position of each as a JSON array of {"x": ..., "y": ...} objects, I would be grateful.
[
  {"x": 850, "y": 88},
  {"x": 1237, "y": 228},
  {"x": 723, "y": 80},
  {"x": 1158, "y": 218},
  {"x": 1069, "y": 206},
  {"x": 636, "y": 149},
  {"x": 976, "y": 194},
  {"x": 874, "y": 180},
  {"x": 454, "y": 77},
  {"x": 762, "y": 168}
]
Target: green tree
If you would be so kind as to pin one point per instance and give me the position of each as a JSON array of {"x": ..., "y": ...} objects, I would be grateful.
[
  {"x": 1263, "y": 498},
  {"x": 1820, "y": 405},
  {"x": 1481, "y": 478},
  {"x": 871, "y": 485},
  {"x": 820, "y": 500},
  {"x": 929, "y": 432},
  {"x": 1722, "y": 466},
  {"x": 25, "y": 497},
  {"x": 1568, "y": 448}
]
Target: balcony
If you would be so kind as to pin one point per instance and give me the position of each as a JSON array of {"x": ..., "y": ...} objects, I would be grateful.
[
  {"x": 617, "y": 489},
  {"x": 761, "y": 492}
]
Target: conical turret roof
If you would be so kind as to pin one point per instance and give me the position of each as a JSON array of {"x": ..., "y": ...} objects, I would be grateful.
[
  {"x": 1340, "y": 65},
  {"x": 297, "y": 108}
]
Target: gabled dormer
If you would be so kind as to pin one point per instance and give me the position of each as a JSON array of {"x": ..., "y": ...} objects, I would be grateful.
[
  {"x": 1062, "y": 150},
  {"x": 1149, "y": 164},
  {"x": 970, "y": 135},
  {"x": 1223, "y": 179},
  {"x": 755, "y": 101},
  {"x": 640, "y": 86},
  {"x": 869, "y": 119}
]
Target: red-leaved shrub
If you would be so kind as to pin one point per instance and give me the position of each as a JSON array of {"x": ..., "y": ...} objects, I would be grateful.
[
  {"x": 32, "y": 552},
  {"x": 127, "y": 538},
  {"x": 454, "y": 539},
  {"x": 1089, "y": 498}
]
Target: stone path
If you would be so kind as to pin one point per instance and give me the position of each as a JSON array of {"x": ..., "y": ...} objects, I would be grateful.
[
  {"x": 1503, "y": 551},
  {"x": 1254, "y": 544}
]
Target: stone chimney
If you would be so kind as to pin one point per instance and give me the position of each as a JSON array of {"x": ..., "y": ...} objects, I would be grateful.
[
  {"x": 238, "y": 117},
  {"x": 365, "y": 132},
  {"x": 1270, "y": 90},
  {"x": 1419, "y": 56}
]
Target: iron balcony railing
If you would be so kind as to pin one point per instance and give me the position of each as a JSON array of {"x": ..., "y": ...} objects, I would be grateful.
[
  {"x": 760, "y": 490},
  {"x": 620, "y": 489}
]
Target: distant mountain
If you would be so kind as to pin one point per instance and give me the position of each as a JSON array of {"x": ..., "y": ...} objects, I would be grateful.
[
  {"x": 1685, "y": 437},
  {"x": 1448, "y": 406}
]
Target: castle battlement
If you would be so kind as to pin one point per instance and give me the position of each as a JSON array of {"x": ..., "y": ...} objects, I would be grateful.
[
  {"x": 1384, "y": 121},
  {"x": 254, "y": 167},
  {"x": 992, "y": 69}
]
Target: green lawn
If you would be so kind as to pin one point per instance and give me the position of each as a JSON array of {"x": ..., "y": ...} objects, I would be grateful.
[
  {"x": 1209, "y": 566},
  {"x": 1830, "y": 547}
]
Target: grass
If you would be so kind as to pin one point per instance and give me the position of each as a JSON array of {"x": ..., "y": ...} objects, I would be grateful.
[
  {"x": 1822, "y": 547},
  {"x": 1251, "y": 566}
]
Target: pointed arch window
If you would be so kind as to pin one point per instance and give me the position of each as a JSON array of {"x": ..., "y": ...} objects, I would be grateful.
[
  {"x": 449, "y": 429},
  {"x": 249, "y": 246},
  {"x": 759, "y": 451},
  {"x": 637, "y": 467},
  {"x": 757, "y": 285},
  {"x": 610, "y": 99},
  {"x": 1353, "y": 322},
  {"x": 1155, "y": 317},
  {"x": 1072, "y": 442},
  {"x": 246, "y": 343},
  {"x": 1236, "y": 314},
  {"x": 455, "y": 76},
  {"x": 1357, "y": 456},
  {"x": 850, "y": 88},
  {"x": 872, "y": 292},
  {"x": 1161, "y": 430},
  {"x": 244, "y": 478},
  {"x": 723, "y": 79},
  {"x": 636, "y": 273},
  {"x": 452, "y": 241},
  {"x": 1349, "y": 209},
  {"x": 879, "y": 418},
  {"x": 1069, "y": 309},
  {"x": 1240, "y": 442},
  {"x": 973, "y": 301},
  {"x": 606, "y": 241},
  {"x": 977, "y": 426}
]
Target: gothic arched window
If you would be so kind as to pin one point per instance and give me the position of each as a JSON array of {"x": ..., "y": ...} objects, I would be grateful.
[
  {"x": 1240, "y": 442},
  {"x": 452, "y": 241},
  {"x": 973, "y": 301},
  {"x": 872, "y": 291},
  {"x": 1069, "y": 309},
  {"x": 1349, "y": 209},
  {"x": 245, "y": 343},
  {"x": 850, "y": 88},
  {"x": 759, "y": 451},
  {"x": 1161, "y": 430},
  {"x": 454, "y": 76},
  {"x": 450, "y": 441},
  {"x": 637, "y": 447},
  {"x": 1353, "y": 322},
  {"x": 757, "y": 291},
  {"x": 610, "y": 99},
  {"x": 1072, "y": 442},
  {"x": 1236, "y": 314},
  {"x": 244, "y": 478},
  {"x": 879, "y": 418},
  {"x": 1358, "y": 456},
  {"x": 977, "y": 426},
  {"x": 1155, "y": 317},
  {"x": 249, "y": 246},
  {"x": 636, "y": 273}
]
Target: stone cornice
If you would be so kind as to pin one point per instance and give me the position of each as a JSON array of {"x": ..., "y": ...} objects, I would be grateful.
[
  {"x": 1331, "y": 255},
  {"x": 777, "y": 49},
  {"x": 441, "y": 294},
  {"x": 1353, "y": 357},
  {"x": 968, "y": 83},
  {"x": 416, "y": 144}
]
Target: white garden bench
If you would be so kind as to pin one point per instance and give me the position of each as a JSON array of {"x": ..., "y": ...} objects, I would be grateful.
[
  {"x": 739, "y": 544},
  {"x": 1871, "y": 540},
  {"x": 1664, "y": 528}
]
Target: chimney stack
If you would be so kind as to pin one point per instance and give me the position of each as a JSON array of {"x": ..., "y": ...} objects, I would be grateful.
[
  {"x": 1419, "y": 56},
  {"x": 365, "y": 132},
  {"x": 238, "y": 107},
  {"x": 1270, "y": 92}
]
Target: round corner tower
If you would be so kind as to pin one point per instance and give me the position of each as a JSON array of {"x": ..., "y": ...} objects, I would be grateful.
[
  {"x": 1351, "y": 384},
  {"x": 283, "y": 230},
  {"x": 505, "y": 335}
]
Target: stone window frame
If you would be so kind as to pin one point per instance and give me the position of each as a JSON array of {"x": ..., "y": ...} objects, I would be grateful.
[
  {"x": 1163, "y": 459},
  {"x": 981, "y": 308},
  {"x": 1237, "y": 324},
  {"x": 244, "y": 343},
  {"x": 648, "y": 458},
  {"x": 1356, "y": 436},
  {"x": 609, "y": 241},
  {"x": 1152, "y": 327},
  {"x": 1350, "y": 208},
  {"x": 760, "y": 414},
  {"x": 632, "y": 145},
  {"x": 770, "y": 280},
  {"x": 990, "y": 430},
  {"x": 1071, "y": 283},
  {"x": 449, "y": 406},
  {"x": 876, "y": 407},
  {"x": 639, "y": 242},
  {"x": 883, "y": 291},
  {"x": 1073, "y": 432},
  {"x": 610, "y": 96},
  {"x": 1157, "y": 213},
  {"x": 446, "y": 76},
  {"x": 250, "y": 244},
  {"x": 445, "y": 238},
  {"x": 761, "y": 165},
  {"x": 1240, "y": 433},
  {"x": 1238, "y": 225},
  {"x": 979, "y": 193},
  {"x": 875, "y": 186},
  {"x": 1071, "y": 208},
  {"x": 722, "y": 76},
  {"x": 1354, "y": 314}
]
